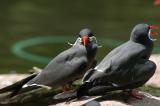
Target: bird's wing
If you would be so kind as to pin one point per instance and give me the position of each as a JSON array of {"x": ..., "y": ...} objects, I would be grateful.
[
  {"x": 116, "y": 60},
  {"x": 125, "y": 54},
  {"x": 87, "y": 75},
  {"x": 105, "y": 64},
  {"x": 63, "y": 68}
]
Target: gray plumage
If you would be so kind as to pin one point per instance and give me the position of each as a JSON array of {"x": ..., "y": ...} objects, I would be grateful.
[
  {"x": 125, "y": 67},
  {"x": 66, "y": 67},
  {"x": 122, "y": 64}
]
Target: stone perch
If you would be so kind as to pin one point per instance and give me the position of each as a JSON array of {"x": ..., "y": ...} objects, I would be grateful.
[{"x": 44, "y": 97}]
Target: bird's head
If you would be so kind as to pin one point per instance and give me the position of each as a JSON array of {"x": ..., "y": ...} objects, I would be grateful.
[
  {"x": 86, "y": 36},
  {"x": 143, "y": 33}
]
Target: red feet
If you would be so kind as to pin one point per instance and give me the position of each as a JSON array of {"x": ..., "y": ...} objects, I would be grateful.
[
  {"x": 135, "y": 94},
  {"x": 66, "y": 88}
]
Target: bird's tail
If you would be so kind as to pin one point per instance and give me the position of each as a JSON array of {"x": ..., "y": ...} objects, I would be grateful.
[{"x": 18, "y": 85}]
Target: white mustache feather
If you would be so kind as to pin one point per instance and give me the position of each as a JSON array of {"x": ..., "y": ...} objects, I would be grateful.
[{"x": 149, "y": 36}]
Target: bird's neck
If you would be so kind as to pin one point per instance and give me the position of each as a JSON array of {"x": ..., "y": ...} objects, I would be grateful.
[
  {"x": 141, "y": 40},
  {"x": 91, "y": 50},
  {"x": 147, "y": 44},
  {"x": 144, "y": 41}
]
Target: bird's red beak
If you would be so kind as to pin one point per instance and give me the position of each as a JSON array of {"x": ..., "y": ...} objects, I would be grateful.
[
  {"x": 85, "y": 40},
  {"x": 152, "y": 27}
]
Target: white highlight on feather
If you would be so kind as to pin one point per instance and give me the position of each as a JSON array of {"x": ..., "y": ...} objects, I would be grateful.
[
  {"x": 39, "y": 85},
  {"x": 116, "y": 85},
  {"x": 24, "y": 86},
  {"x": 149, "y": 36},
  {"x": 100, "y": 70},
  {"x": 96, "y": 68},
  {"x": 85, "y": 81}
]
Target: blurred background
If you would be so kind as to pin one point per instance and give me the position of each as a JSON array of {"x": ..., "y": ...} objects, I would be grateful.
[{"x": 34, "y": 31}]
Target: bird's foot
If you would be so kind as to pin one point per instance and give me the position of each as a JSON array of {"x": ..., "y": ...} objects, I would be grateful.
[
  {"x": 131, "y": 93},
  {"x": 67, "y": 88},
  {"x": 135, "y": 94}
]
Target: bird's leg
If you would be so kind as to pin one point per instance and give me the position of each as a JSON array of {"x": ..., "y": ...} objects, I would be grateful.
[
  {"x": 135, "y": 93},
  {"x": 67, "y": 87}
]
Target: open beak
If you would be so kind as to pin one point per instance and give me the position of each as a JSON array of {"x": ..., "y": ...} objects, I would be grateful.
[
  {"x": 152, "y": 34},
  {"x": 85, "y": 40}
]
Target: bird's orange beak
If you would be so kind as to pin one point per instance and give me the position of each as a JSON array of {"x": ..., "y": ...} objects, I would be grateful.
[
  {"x": 85, "y": 40},
  {"x": 152, "y": 27}
]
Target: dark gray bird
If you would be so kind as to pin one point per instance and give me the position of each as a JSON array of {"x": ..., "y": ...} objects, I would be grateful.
[
  {"x": 125, "y": 67},
  {"x": 66, "y": 67}
]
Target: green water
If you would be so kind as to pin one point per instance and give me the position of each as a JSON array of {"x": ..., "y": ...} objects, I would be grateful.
[{"x": 25, "y": 19}]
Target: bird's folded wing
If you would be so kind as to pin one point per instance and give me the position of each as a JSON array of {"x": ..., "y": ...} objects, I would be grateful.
[{"x": 87, "y": 75}]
